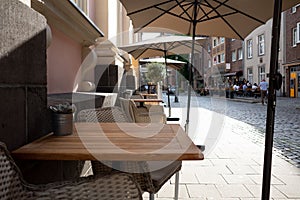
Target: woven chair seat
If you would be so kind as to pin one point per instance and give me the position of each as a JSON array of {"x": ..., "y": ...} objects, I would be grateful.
[
  {"x": 106, "y": 114},
  {"x": 106, "y": 187}
]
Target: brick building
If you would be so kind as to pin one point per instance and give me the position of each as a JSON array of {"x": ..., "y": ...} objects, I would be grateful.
[{"x": 292, "y": 54}]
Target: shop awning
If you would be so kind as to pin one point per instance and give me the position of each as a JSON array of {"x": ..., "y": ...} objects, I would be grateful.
[{"x": 238, "y": 73}]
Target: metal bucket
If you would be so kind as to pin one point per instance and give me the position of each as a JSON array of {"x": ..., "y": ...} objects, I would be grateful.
[{"x": 62, "y": 124}]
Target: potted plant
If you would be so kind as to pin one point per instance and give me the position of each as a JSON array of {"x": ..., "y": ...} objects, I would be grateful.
[{"x": 62, "y": 118}]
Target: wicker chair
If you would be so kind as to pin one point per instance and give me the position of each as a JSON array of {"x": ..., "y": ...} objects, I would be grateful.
[
  {"x": 149, "y": 180},
  {"x": 114, "y": 186},
  {"x": 105, "y": 114},
  {"x": 146, "y": 114}
]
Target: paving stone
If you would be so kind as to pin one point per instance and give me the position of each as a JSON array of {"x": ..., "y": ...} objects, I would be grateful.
[
  {"x": 230, "y": 191},
  {"x": 208, "y": 191}
]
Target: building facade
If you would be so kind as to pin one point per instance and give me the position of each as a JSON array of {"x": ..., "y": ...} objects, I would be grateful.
[
  {"x": 292, "y": 52},
  {"x": 234, "y": 61},
  {"x": 257, "y": 47}
]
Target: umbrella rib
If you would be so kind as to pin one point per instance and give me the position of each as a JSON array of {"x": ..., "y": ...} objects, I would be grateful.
[
  {"x": 173, "y": 14},
  {"x": 234, "y": 30},
  {"x": 149, "y": 7},
  {"x": 239, "y": 11},
  {"x": 164, "y": 12},
  {"x": 183, "y": 9},
  {"x": 212, "y": 10},
  {"x": 143, "y": 51}
]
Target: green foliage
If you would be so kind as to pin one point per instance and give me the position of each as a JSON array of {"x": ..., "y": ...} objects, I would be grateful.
[
  {"x": 63, "y": 108},
  {"x": 184, "y": 71},
  {"x": 156, "y": 72}
]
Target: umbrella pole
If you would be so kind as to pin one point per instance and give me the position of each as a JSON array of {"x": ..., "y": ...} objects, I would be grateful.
[
  {"x": 167, "y": 81},
  {"x": 190, "y": 68},
  {"x": 271, "y": 101}
]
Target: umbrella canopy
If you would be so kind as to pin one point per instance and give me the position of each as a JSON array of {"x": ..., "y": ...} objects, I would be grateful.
[
  {"x": 226, "y": 18},
  {"x": 176, "y": 64},
  {"x": 172, "y": 44}
]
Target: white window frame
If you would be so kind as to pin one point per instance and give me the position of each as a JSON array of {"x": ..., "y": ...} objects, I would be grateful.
[
  {"x": 222, "y": 40},
  {"x": 250, "y": 75},
  {"x": 83, "y": 5},
  {"x": 222, "y": 58},
  {"x": 262, "y": 73},
  {"x": 249, "y": 48},
  {"x": 294, "y": 37},
  {"x": 261, "y": 44},
  {"x": 233, "y": 56},
  {"x": 215, "y": 42},
  {"x": 294, "y": 8},
  {"x": 298, "y": 32},
  {"x": 209, "y": 63},
  {"x": 240, "y": 54}
]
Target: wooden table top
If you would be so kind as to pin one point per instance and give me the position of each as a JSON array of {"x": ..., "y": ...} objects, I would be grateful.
[
  {"x": 148, "y": 100},
  {"x": 114, "y": 141},
  {"x": 148, "y": 95}
]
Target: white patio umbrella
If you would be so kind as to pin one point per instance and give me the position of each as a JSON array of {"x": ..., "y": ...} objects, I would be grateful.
[
  {"x": 163, "y": 46},
  {"x": 226, "y": 18},
  {"x": 176, "y": 64}
]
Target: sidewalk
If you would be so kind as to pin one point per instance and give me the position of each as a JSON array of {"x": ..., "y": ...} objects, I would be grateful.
[{"x": 233, "y": 170}]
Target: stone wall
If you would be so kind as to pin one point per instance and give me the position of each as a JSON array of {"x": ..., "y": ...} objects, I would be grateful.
[
  {"x": 23, "y": 82},
  {"x": 23, "y": 88}
]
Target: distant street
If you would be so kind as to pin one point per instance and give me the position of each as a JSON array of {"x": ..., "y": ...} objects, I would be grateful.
[{"x": 287, "y": 123}]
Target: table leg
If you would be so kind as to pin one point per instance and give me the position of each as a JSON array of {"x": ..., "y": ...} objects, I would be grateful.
[{"x": 176, "y": 185}]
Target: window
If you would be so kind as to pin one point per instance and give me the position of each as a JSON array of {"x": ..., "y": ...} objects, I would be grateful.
[
  {"x": 208, "y": 48},
  {"x": 215, "y": 60},
  {"x": 222, "y": 57},
  {"x": 222, "y": 39},
  {"x": 249, "y": 48},
  {"x": 219, "y": 59},
  {"x": 294, "y": 37},
  {"x": 240, "y": 54},
  {"x": 294, "y": 8},
  {"x": 250, "y": 75},
  {"x": 261, "y": 44},
  {"x": 83, "y": 5},
  {"x": 262, "y": 73},
  {"x": 233, "y": 56},
  {"x": 209, "y": 63},
  {"x": 215, "y": 42},
  {"x": 298, "y": 32}
]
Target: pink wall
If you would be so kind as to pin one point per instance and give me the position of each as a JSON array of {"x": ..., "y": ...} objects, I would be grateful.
[{"x": 63, "y": 61}]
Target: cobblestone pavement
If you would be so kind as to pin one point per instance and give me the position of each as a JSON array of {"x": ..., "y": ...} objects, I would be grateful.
[{"x": 287, "y": 123}]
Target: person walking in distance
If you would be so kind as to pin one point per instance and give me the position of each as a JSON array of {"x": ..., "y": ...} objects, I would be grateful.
[{"x": 263, "y": 85}]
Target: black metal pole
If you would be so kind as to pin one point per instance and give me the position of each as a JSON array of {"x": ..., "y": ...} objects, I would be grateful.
[
  {"x": 271, "y": 101},
  {"x": 167, "y": 81},
  {"x": 191, "y": 64}
]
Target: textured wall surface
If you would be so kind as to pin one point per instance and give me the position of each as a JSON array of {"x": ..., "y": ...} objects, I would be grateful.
[
  {"x": 24, "y": 116},
  {"x": 23, "y": 80}
]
